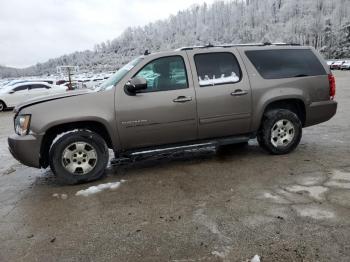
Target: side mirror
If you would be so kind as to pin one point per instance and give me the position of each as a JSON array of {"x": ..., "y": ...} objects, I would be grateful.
[
  {"x": 135, "y": 85},
  {"x": 11, "y": 92}
]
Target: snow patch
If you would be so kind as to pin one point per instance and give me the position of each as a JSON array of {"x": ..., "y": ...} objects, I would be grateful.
[
  {"x": 60, "y": 196},
  {"x": 256, "y": 258},
  {"x": 275, "y": 198},
  {"x": 233, "y": 78},
  {"x": 314, "y": 212},
  {"x": 339, "y": 175},
  {"x": 339, "y": 179},
  {"x": 223, "y": 254},
  {"x": 311, "y": 180},
  {"x": 61, "y": 135},
  {"x": 218, "y": 254},
  {"x": 99, "y": 188},
  {"x": 316, "y": 192},
  {"x": 293, "y": 197},
  {"x": 271, "y": 196},
  {"x": 337, "y": 184},
  {"x": 64, "y": 196}
]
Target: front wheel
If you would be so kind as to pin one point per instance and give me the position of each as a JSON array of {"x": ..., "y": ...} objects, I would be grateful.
[
  {"x": 280, "y": 132},
  {"x": 78, "y": 157},
  {"x": 2, "y": 106}
]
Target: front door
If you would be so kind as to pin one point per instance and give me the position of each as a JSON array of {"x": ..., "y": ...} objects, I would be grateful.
[
  {"x": 17, "y": 95},
  {"x": 165, "y": 112},
  {"x": 223, "y": 93}
]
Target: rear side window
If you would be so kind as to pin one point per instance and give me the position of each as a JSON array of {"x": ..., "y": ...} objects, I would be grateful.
[
  {"x": 217, "y": 69},
  {"x": 285, "y": 63},
  {"x": 38, "y": 87}
]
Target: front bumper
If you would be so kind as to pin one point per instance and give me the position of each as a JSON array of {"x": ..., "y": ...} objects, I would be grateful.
[
  {"x": 319, "y": 112},
  {"x": 26, "y": 149}
]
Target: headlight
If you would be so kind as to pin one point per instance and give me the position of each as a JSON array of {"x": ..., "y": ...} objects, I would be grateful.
[{"x": 22, "y": 124}]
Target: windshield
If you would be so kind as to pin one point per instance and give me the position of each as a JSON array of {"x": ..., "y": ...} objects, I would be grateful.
[{"x": 114, "y": 79}]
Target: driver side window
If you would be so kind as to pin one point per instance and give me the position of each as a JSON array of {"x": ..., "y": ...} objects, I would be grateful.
[
  {"x": 163, "y": 74},
  {"x": 20, "y": 88}
]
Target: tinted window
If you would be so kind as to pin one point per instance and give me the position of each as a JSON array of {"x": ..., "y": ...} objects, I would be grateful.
[
  {"x": 286, "y": 63},
  {"x": 38, "y": 87},
  {"x": 217, "y": 69},
  {"x": 20, "y": 88},
  {"x": 168, "y": 73}
]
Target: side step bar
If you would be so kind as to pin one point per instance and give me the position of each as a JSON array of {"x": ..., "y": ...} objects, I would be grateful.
[{"x": 133, "y": 156}]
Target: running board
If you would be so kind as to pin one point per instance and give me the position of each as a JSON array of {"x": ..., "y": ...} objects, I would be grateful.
[{"x": 132, "y": 156}]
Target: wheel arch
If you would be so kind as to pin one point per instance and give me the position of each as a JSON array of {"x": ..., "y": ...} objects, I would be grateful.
[
  {"x": 4, "y": 103},
  {"x": 56, "y": 130},
  {"x": 296, "y": 105}
]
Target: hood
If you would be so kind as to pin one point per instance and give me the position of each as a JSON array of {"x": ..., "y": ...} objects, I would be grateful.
[{"x": 42, "y": 99}]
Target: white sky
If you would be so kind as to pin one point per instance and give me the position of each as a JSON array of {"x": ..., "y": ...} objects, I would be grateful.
[{"x": 33, "y": 31}]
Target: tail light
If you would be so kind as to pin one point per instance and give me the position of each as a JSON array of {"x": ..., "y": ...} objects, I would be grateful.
[{"x": 332, "y": 87}]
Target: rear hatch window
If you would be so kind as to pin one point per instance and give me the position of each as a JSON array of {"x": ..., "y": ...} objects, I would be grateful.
[{"x": 286, "y": 63}]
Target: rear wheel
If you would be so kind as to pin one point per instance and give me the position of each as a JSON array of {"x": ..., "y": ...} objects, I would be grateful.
[
  {"x": 78, "y": 157},
  {"x": 2, "y": 106},
  {"x": 280, "y": 132}
]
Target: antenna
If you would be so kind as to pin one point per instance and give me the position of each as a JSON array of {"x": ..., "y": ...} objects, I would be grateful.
[{"x": 147, "y": 53}]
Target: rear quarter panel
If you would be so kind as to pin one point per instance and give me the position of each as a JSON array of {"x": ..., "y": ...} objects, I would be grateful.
[{"x": 265, "y": 91}]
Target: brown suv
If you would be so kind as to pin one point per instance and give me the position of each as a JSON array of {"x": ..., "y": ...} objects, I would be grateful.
[{"x": 192, "y": 96}]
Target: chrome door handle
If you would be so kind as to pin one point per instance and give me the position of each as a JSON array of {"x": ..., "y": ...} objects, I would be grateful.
[
  {"x": 239, "y": 92},
  {"x": 182, "y": 99}
]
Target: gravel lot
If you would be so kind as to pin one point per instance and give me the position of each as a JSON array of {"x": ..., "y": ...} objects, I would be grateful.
[{"x": 201, "y": 206}]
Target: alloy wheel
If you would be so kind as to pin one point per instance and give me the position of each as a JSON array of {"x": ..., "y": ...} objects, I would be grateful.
[
  {"x": 79, "y": 158},
  {"x": 282, "y": 133}
]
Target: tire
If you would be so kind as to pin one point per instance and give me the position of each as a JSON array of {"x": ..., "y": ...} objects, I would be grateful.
[
  {"x": 2, "y": 106},
  {"x": 259, "y": 138},
  {"x": 79, "y": 157},
  {"x": 280, "y": 132}
]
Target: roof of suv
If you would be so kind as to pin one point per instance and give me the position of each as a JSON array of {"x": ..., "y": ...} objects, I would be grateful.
[
  {"x": 214, "y": 48},
  {"x": 236, "y": 45}
]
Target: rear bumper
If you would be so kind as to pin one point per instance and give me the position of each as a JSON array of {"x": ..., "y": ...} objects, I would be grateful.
[
  {"x": 26, "y": 149},
  {"x": 319, "y": 112}
]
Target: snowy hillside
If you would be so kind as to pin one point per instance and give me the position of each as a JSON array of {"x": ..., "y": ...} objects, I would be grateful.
[{"x": 324, "y": 24}]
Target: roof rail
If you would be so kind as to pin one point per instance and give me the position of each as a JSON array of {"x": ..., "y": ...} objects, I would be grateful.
[{"x": 235, "y": 45}]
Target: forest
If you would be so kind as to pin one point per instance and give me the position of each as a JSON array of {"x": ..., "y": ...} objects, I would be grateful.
[{"x": 323, "y": 24}]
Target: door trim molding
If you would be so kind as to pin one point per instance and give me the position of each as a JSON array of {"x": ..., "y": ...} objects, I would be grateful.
[{"x": 222, "y": 118}]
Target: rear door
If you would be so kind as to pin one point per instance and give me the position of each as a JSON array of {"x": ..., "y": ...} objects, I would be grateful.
[
  {"x": 223, "y": 92},
  {"x": 165, "y": 112},
  {"x": 36, "y": 90}
]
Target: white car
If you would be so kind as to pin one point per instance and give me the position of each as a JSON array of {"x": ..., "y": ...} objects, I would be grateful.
[
  {"x": 345, "y": 66},
  {"x": 337, "y": 65},
  {"x": 10, "y": 96}
]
